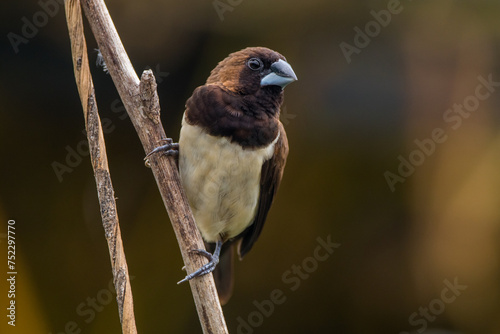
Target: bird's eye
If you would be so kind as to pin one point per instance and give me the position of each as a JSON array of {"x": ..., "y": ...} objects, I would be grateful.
[{"x": 255, "y": 64}]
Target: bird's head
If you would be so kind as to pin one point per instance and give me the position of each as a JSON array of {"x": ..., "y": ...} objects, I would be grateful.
[{"x": 248, "y": 70}]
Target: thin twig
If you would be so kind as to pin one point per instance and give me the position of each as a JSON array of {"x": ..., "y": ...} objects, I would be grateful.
[
  {"x": 100, "y": 166},
  {"x": 141, "y": 102}
]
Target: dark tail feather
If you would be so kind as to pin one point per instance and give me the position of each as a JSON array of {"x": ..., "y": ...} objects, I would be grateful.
[{"x": 223, "y": 273}]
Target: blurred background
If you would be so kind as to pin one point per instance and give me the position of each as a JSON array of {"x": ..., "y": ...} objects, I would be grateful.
[{"x": 394, "y": 157}]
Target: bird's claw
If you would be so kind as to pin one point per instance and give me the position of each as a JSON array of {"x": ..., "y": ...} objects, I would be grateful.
[
  {"x": 202, "y": 252},
  {"x": 206, "y": 268},
  {"x": 169, "y": 149}
]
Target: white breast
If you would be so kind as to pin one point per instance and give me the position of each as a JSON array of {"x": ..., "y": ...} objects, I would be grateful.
[{"x": 221, "y": 180}]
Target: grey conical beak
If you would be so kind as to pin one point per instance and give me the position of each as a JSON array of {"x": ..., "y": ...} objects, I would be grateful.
[{"x": 281, "y": 75}]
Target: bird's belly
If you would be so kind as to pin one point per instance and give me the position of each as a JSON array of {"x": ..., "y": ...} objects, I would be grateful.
[{"x": 221, "y": 180}]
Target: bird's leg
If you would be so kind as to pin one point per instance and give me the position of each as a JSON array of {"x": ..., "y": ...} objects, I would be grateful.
[
  {"x": 170, "y": 148},
  {"x": 210, "y": 266}
]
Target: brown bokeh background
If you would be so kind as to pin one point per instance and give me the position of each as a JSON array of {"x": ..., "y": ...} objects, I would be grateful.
[{"x": 347, "y": 123}]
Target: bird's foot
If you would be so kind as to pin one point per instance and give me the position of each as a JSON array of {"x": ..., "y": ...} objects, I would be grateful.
[
  {"x": 170, "y": 149},
  {"x": 207, "y": 268}
]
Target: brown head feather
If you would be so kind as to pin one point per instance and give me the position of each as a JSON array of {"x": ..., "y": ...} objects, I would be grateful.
[
  {"x": 233, "y": 103},
  {"x": 233, "y": 74}
]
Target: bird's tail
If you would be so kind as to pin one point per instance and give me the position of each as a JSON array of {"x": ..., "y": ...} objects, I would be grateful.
[{"x": 223, "y": 273}]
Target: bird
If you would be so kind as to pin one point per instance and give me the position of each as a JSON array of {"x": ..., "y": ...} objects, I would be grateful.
[{"x": 232, "y": 151}]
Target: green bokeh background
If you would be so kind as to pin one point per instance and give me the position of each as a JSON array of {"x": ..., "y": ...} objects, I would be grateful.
[{"x": 348, "y": 123}]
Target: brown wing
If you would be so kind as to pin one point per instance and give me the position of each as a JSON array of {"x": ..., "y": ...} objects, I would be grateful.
[{"x": 272, "y": 172}]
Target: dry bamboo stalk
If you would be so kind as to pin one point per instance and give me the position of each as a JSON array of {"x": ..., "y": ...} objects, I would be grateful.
[
  {"x": 100, "y": 166},
  {"x": 141, "y": 102}
]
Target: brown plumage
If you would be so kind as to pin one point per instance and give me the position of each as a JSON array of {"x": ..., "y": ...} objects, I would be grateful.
[{"x": 233, "y": 150}]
